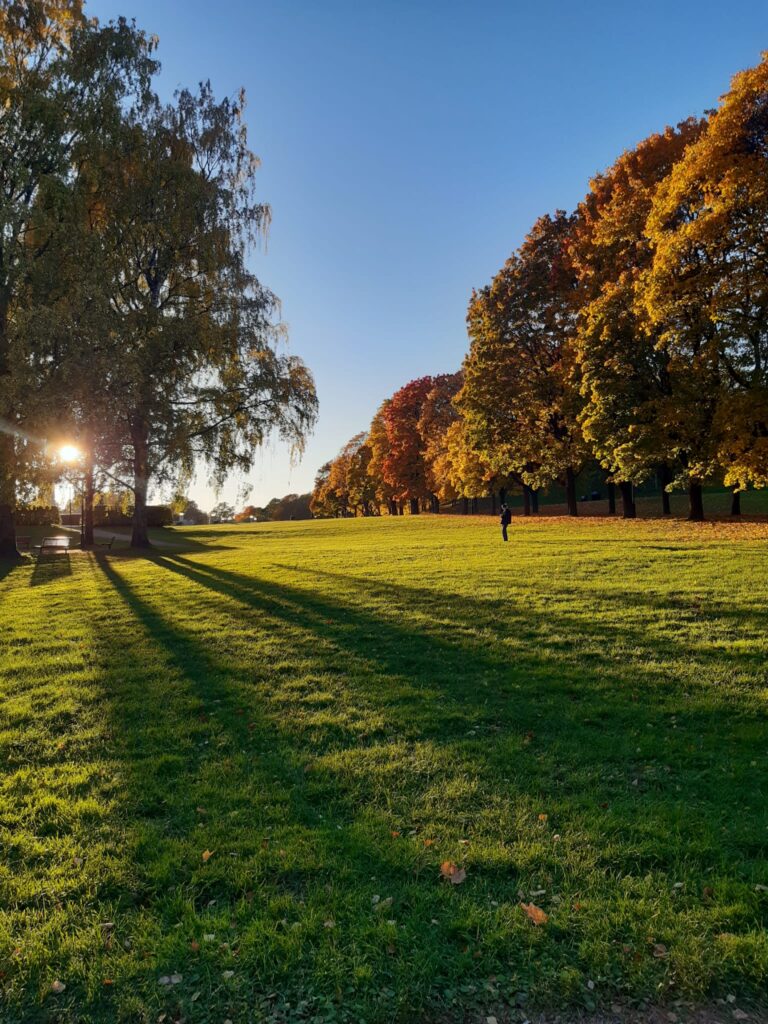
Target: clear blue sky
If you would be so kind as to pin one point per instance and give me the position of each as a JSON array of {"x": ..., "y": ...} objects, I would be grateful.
[{"x": 408, "y": 145}]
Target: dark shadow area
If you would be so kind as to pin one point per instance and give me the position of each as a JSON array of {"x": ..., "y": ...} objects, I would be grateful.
[
  {"x": 454, "y": 619},
  {"x": 7, "y": 566},
  {"x": 50, "y": 567},
  {"x": 439, "y": 683},
  {"x": 169, "y": 730}
]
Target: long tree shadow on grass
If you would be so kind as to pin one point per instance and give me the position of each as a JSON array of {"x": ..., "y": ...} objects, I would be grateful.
[
  {"x": 189, "y": 743},
  {"x": 459, "y": 611},
  {"x": 451, "y": 689},
  {"x": 49, "y": 568}
]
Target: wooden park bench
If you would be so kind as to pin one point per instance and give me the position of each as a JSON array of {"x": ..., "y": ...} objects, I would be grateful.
[{"x": 53, "y": 544}]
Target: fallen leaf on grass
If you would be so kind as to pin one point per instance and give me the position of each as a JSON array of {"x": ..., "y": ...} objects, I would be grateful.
[
  {"x": 395, "y": 835},
  {"x": 543, "y": 817},
  {"x": 535, "y": 914},
  {"x": 57, "y": 986},
  {"x": 660, "y": 950},
  {"x": 429, "y": 842},
  {"x": 207, "y": 854},
  {"x": 194, "y": 946},
  {"x": 330, "y": 923},
  {"x": 227, "y": 974},
  {"x": 740, "y": 1015},
  {"x": 454, "y": 874},
  {"x": 108, "y": 981}
]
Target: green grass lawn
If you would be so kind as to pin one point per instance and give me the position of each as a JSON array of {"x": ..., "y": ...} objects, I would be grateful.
[{"x": 232, "y": 770}]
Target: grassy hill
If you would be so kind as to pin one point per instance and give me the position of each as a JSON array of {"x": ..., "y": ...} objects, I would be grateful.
[{"x": 231, "y": 772}]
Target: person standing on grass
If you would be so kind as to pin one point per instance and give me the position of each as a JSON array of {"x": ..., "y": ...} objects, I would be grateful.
[{"x": 506, "y": 519}]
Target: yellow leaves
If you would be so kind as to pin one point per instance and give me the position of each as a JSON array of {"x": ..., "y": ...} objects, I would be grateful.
[
  {"x": 535, "y": 914},
  {"x": 451, "y": 873},
  {"x": 206, "y": 855}
]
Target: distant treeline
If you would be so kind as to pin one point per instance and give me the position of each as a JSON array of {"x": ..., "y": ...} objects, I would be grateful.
[{"x": 291, "y": 506}]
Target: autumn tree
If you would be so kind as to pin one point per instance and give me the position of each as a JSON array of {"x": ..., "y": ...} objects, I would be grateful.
[
  {"x": 519, "y": 399},
  {"x": 325, "y": 502},
  {"x": 248, "y": 513},
  {"x": 707, "y": 290},
  {"x": 361, "y": 487},
  {"x": 624, "y": 372},
  {"x": 195, "y": 373},
  {"x": 63, "y": 81},
  {"x": 438, "y": 413},
  {"x": 379, "y": 445},
  {"x": 460, "y": 468},
  {"x": 404, "y": 468}
]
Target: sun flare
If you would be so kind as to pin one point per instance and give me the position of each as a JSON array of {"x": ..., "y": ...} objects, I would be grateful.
[{"x": 69, "y": 453}]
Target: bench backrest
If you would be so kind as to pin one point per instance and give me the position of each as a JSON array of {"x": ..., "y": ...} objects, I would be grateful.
[{"x": 56, "y": 542}]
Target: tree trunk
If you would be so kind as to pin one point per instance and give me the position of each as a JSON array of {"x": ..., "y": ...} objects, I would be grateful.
[
  {"x": 464, "y": 506},
  {"x": 628, "y": 509},
  {"x": 502, "y": 495},
  {"x": 8, "y": 550},
  {"x": 436, "y": 504},
  {"x": 736, "y": 503},
  {"x": 88, "y": 490},
  {"x": 493, "y": 503},
  {"x": 611, "y": 499},
  {"x": 474, "y": 506},
  {"x": 665, "y": 477},
  {"x": 414, "y": 503},
  {"x": 534, "y": 501},
  {"x": 695, "y": 502},
  {"x": 526, "y": 500},
  {"x": 401, "y": 507},
  {"x": 140, "y": 534},
  {"x": 570, "y": 492}
]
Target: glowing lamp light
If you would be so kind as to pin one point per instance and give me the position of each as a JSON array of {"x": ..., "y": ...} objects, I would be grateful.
[{"x": 68, "y": 453}]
